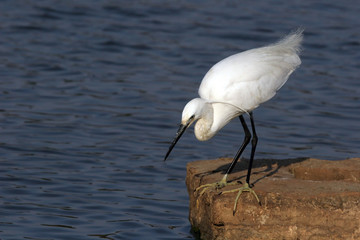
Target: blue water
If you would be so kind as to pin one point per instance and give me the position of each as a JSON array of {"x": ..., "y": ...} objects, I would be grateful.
[{"x": 91, "y": 93}]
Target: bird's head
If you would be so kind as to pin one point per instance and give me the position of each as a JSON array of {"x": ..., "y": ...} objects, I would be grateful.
[{"x": 192, "y": 111}]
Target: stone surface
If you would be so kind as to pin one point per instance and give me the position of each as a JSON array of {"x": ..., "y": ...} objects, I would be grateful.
[{"x": 301, "y": 199}]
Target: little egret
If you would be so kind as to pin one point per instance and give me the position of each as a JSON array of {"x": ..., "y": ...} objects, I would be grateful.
[{"x": 236, "y": 85}]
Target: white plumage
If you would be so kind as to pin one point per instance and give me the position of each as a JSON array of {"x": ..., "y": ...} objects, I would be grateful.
[{"x": 240, "y": 83}]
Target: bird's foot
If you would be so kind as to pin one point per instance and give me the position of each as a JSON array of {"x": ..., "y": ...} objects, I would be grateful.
[
  {"x": 216, "y": 185},
  {"x": 244, "y": 188}
]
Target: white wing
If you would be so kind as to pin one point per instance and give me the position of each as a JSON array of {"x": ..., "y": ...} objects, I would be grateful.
[{"x": 250, "y": 78}]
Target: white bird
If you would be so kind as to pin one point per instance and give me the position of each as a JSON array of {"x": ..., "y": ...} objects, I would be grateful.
[{"x": 236, "y": 85}]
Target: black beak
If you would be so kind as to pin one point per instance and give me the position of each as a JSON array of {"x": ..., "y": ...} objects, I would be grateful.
[{"x": 179, "y": 133}]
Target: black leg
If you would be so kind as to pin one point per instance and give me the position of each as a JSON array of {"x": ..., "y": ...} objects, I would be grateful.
[
  {"x": 246, "y": 187},
  {"x": 253, "y": 147},
  {"x": 243, "y": 145}
]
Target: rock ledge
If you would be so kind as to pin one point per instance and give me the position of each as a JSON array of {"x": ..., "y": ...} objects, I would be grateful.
[{"x": 301, "y": 199}]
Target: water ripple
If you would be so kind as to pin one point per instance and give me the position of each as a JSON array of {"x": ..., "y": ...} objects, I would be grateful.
[{"x": 91, "y": 93}]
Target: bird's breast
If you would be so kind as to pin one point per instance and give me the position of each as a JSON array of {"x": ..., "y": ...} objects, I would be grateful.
[{"x": 203, "y": 130}]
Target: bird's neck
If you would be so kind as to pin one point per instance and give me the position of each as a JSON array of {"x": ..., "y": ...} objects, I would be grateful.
[
  {"x": 218, "y": 115},
  {"x": 203, "y": 125}
]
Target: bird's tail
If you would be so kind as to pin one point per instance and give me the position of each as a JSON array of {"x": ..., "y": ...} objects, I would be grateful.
[{"x": 292, "y": 42}]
